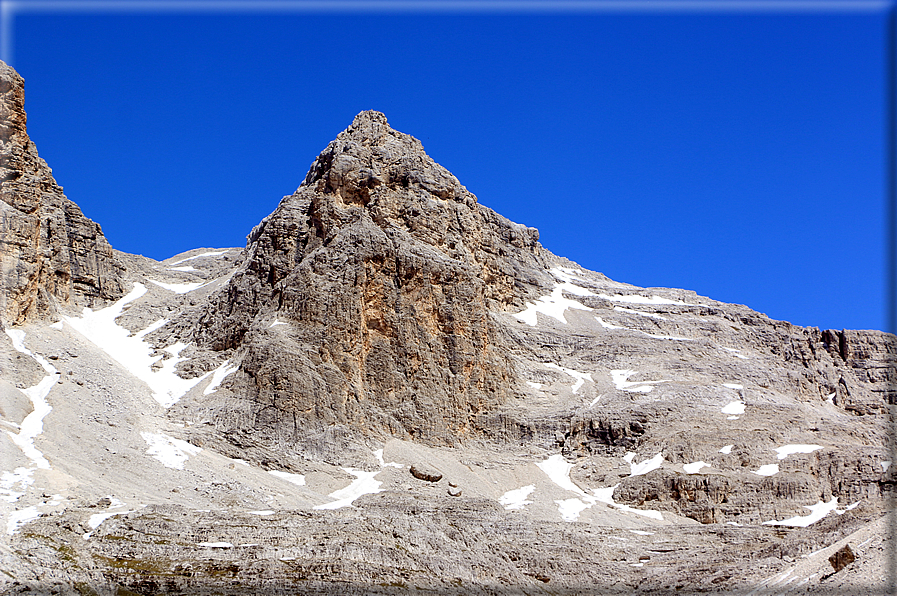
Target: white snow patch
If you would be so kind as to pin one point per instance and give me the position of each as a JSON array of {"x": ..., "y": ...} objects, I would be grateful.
[
  {"x": 57, "y": 325},
  {"x": 152, "y": 327},
  {"x": 33, "y": 424},
  {"x": 553, "y": 306},
  {"x": 595, "y": 401},
  {"x": 364, "y": 484},
  {"x": 695, "y": 467},
  {"x": 218, "y": 375},
  {"x": 205, "y": 254},
  {"x": 216, "y": 544},
  {"x": 619, "y": 377},
  {"x": 558, "y": 471},
  {"x": 116, "y": 507},
  {"x": 640, "y": 313},
  {"x": 884, "y": 465},
  {"x": 830, "y": 398},
  {"x": 767, "y": 470},
  {"x": 727, "y": 449},
  {"x": 606, "y": 496},
  {"x": 517, "y": 498},
  {"x": 818, "y": 511},
  {"x": 100, "y": 328},
  {"x": 731, "y": 417},
  {"x": 242, "y": 462},
  {"x": 297, "y": 479},
  {"x": 579, "y": 376},
  {"x": 636, "y": 299},
  {"x": 178, "y": 288},
  {"x": 276, "y": 323},
  {"x": 20, "y": 476},
  {"x": 184, "y": 268},
  {"x": 636, "y": 564},
  {"x": 608, "y": 325},
  {"x": 534, "y": 385},
  {"x": 735, "y": 386},
  {"x": 736, "y": 353},
  {"x": 642, "y": 532},
  {"x": 646, "y": 466},
  {"x": 168, "y": 450},
  {"x": 790, "y": 449},
  {"x": 21, "y": 517},
  {"x": 378, "y": 453},
  {"x": 571, "y": 508},
  {"x": 848, "y": 508},
  {"x": 734, "y": 408},
  {"x": 263, "y": 512}
]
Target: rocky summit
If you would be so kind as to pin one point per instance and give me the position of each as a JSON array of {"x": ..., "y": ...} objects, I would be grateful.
[{"x": 392, "y": 389}]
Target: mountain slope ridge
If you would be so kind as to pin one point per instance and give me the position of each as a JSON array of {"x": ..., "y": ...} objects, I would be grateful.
[{"x": 587, "y": 434}]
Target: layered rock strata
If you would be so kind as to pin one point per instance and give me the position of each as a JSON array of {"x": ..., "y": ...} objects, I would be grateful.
[
  {"x": 386, "y": 270},
  {"x": 50, "y": 253}
]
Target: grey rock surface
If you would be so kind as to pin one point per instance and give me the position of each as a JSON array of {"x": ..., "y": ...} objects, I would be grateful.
[
  {"x": 248, "y": 420},
  {"x": 50, "y": 254}
]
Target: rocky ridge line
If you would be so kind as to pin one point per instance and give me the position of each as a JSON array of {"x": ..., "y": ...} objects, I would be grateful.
[{"x": 50, "y": 253}]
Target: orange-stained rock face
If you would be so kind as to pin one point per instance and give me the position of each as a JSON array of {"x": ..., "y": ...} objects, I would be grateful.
[
  {"x": 50, "y": 254},
  {"x": 388, "y": 268}
]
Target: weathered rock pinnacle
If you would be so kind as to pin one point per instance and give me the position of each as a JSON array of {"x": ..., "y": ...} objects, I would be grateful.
[
  {"x": 49, "y": 252},
  {"x": 386, "y": 268}
]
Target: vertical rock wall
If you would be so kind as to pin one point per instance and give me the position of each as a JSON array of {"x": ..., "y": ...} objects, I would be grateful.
[{"x": 49, "y": 252}]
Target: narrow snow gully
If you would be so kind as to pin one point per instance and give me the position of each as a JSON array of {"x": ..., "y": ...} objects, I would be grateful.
[{"x": 14, "y": 483}]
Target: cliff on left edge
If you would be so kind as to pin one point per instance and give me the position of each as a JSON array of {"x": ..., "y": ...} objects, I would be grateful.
[{"x": 50, "y": 253}]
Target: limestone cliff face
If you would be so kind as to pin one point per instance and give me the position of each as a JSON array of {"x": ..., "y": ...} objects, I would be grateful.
[
  {"x": 385, "y": 269},
  {"x": 49, "y": 252}
]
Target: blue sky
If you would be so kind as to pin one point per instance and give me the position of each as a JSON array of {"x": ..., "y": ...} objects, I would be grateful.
[{"x": 740, "y": 154}]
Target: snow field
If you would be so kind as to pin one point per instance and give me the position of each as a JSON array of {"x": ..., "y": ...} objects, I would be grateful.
[
  {"x": 767, "y": 470},
  {"x": 219, "y": 375},
  {"x": 579, "y": 376},
  {"x": 297, "y": 479},
  {"x": 205, "y": 254},
  {"x": 695, "y": 467},
  {"x": 32, "y": 427},
  {"x": 168, "y": 450},
  {"x": 620, "y": 377},
  {"x": 364, "y": 484},
  {"x": 787, "y": 450},
  {"x": 558, "y": 471},
  {"x": 517, "y": 498},
  {"x": 33, "y": 424},
  {"x": 178, "y": 288},
  {"x": 607, "y": 325},
  {"x": 643, "y": 467},
  {"x": 134, "y": 354},
  {"x": 817, "y": 512},
  {"x": 116, "y": 507},
  {"x": 734, "y": 408},
  {"x": 555, "y": 304}
]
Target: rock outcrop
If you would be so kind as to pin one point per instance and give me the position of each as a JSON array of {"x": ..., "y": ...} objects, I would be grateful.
[
  {"x": 50, "y": 253},
  {"x": 386, "y": 270}
]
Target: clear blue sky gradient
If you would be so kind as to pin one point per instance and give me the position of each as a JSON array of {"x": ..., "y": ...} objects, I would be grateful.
[{"x": 738, "y": 155}]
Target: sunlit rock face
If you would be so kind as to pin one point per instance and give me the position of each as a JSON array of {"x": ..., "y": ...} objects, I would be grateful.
[
  {"x": 50, "y": 253},
  {"x": 387, "y": 270}
]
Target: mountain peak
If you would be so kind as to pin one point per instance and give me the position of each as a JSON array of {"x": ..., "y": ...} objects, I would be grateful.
[{"x": 54, "y": 255}]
